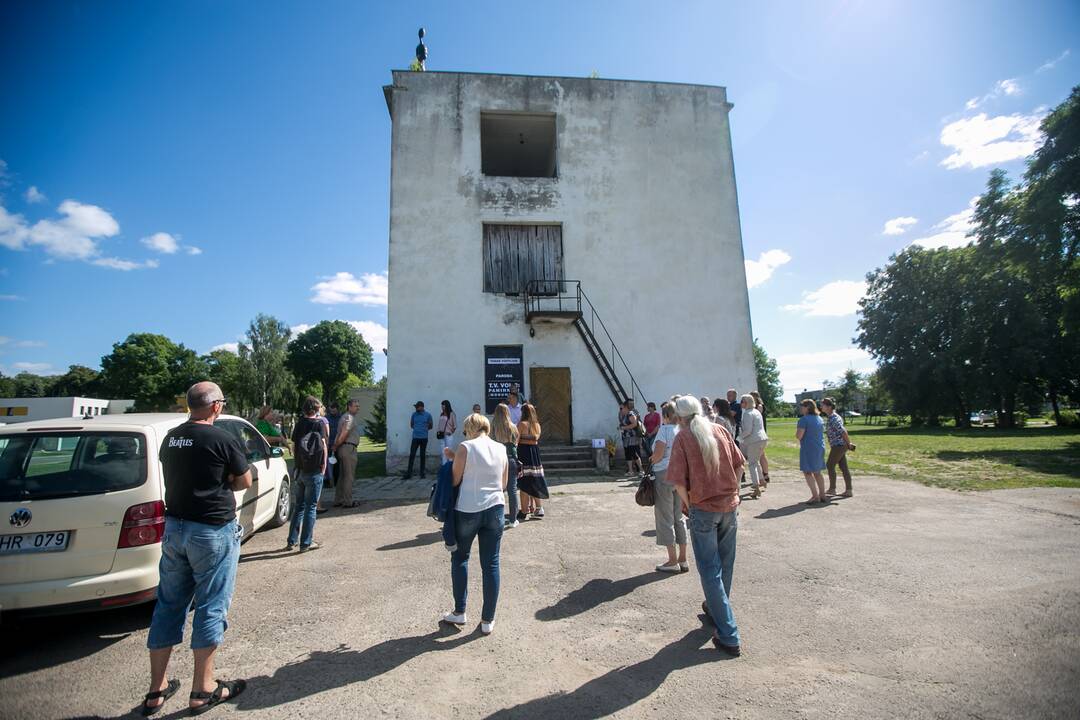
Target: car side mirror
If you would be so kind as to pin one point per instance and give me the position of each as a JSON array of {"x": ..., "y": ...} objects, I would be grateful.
[{"x": 277, "y": 452}]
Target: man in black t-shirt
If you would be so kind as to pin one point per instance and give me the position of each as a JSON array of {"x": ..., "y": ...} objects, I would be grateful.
[{"x": 203, "y": 467}]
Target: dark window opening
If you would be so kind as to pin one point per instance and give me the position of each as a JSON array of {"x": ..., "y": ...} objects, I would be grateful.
[
  {"x": 523, "y": 257},
  {"x": 518, "y": 145}
]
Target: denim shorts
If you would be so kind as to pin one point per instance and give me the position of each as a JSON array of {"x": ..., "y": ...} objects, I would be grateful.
[{"x": 198, "y": 562}]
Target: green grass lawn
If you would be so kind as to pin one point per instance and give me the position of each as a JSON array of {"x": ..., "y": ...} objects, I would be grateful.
[
  {"x": 370, "y": 459},
  {"x": 961, "y": 459}
]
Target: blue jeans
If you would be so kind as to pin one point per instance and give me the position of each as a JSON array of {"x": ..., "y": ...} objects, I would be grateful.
[
  {"x": 307, "y": 488},
  {"x": 713, "y": 537},
  {"x": 488, "y": 526},
  {"x": 197, "y": 561},
  {"x": 511, "y": 488}
]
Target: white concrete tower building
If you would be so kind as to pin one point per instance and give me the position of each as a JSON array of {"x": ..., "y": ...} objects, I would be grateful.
[{"x": 579, "y": 236}]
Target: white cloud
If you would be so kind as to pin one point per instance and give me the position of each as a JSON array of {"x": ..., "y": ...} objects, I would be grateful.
[
  {"x": 1002, "y": 88},
  {"x": 161, "y": 242},
  {"x": 344, "y": 288},
  {"x": 806, "y": 371},
  {"x": 1051, "y": 64},
  {"x": 898, "y": 225},
  {"x": 230, "y": 346},
  {"x": 167, "y": 244},
  {"x": 124, "y": 265},
  {"x": 21, "y": 343},
  {"x": 375, "y": 334},
  {"x": 33, "y": 195},
  {"x": 952, "y": 232},
  {"x": 32, "y": 367},
  {"x": 835, "y": 299},
  {"x": 760, "y": 270},
  {"x": 982, "y": 140},
  {"x": 74, "y": 236},
  {"x": 13, "y": 230}
]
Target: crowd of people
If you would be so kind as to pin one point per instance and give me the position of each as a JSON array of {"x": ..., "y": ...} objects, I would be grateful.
[{"x": 693, "y": 450}]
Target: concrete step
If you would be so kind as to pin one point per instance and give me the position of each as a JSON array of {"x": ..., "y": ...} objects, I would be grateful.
[
  {"x": 556, "y": 454},
  {"x": 549, "y": 463}
]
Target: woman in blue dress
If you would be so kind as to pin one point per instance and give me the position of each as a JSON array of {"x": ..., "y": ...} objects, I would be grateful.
[{"x": 810, "y": 432}]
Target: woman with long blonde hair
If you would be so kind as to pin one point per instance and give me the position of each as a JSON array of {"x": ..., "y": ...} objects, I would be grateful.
[
  {"x": 531, "y": 482},
  {"x": 705, "y": 467},
  {"x": 505, "y": 432}
]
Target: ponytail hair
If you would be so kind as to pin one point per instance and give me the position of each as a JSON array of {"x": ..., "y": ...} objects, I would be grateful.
[{"x": 688, "y": 408}]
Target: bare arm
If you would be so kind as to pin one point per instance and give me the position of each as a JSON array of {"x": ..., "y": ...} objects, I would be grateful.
[
  {"x": 799, "y": 434},
  {"x": 658, "y": 452},
  {"x": 459, "y": 464},
  {"x": 343, "y": 432},
  {"x": 241, "y": 482},
  {"x": 684, "y": 497}
]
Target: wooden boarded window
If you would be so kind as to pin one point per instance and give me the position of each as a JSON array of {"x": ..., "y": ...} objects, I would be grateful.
[{"x": 515, "y": 255}]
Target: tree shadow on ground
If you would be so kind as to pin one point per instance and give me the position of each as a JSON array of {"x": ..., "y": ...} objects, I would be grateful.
[
  {"x": 28, "y": 643},
  {"x": 1064, "y": 461},
  {"x": 595, "y": 593},
  {"x": 420, "y": 540},
  {"x": 324, "y": 670},
  {"x": 619, "y": 688}
]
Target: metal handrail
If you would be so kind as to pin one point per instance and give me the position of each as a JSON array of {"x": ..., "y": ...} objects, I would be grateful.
[{"x": 533, "y": 302}]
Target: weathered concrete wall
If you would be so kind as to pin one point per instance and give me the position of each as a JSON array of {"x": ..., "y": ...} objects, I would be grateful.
[{"x": 646, "y": 197}]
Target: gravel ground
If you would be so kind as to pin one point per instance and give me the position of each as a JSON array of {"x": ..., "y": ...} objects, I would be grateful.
[{"x": 904, "y": 601}]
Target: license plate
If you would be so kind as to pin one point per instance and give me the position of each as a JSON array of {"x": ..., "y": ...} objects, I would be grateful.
[{"x": 56, "y": 541}]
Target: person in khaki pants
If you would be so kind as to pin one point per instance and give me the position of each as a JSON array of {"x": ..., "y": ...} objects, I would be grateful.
[{"x": 348, "y": 436}]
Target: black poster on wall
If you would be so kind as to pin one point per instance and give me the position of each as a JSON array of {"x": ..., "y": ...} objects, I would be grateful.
[{"x": 502, "y": 369}]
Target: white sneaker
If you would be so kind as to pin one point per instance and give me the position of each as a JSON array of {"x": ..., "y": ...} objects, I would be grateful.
[
  {"x": 487, "y": 627},
  {"x": 511, "y": 523},
  {"x": 453, "y": 619},
  {"x": 539, "y": 513}
]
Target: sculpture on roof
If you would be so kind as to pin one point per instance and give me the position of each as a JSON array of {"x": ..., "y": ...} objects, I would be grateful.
[{"x": 421, "y": 52}]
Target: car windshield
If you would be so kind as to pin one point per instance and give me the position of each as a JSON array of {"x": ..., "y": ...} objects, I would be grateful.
[{"x": 43, "y": 465}]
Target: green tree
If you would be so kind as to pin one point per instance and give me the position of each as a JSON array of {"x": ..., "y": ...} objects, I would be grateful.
[
  {"x": 329, "y": 354},
  {"x": 1005, "y": 312},
  {"x": 29, "y": 385},
  {"x": 768, "y": 379},
  {"x": 7, "y": 386},
  {"x": 1046, "y": 246},
  {"x": 878, "y": 400},
  {"x": 917, "y": 321},
  {"x": 79, "y": 380},
  {"x": 844, "y": 391},
  {"x": 376, "y": 429},
  {"x": 226, "y": 369},
  {"x": 263, "y": 363},
  {"x": 150, "y": 369}
]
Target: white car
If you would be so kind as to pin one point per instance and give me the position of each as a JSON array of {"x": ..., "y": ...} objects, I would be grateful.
[{"x": 82, "y": 507}]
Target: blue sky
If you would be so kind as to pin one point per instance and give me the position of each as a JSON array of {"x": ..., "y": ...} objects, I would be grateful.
[{"x": 178, "y": 168}]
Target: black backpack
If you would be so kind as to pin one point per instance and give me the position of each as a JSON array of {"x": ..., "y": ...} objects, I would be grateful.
[{"x": 310, "y": 451}]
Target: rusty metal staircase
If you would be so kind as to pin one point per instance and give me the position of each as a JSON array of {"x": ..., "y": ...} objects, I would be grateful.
[{"x": 564, "y": 302}]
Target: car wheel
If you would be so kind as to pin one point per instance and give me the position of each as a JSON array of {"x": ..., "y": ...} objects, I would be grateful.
[{"x": 284, "y": 505}]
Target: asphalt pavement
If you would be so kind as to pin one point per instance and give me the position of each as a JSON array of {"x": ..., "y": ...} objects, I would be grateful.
[{"x": 904, "y": 601}]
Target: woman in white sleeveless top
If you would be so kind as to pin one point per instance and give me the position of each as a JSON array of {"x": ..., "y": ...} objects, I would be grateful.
[{"x": 480, "y": 474}]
